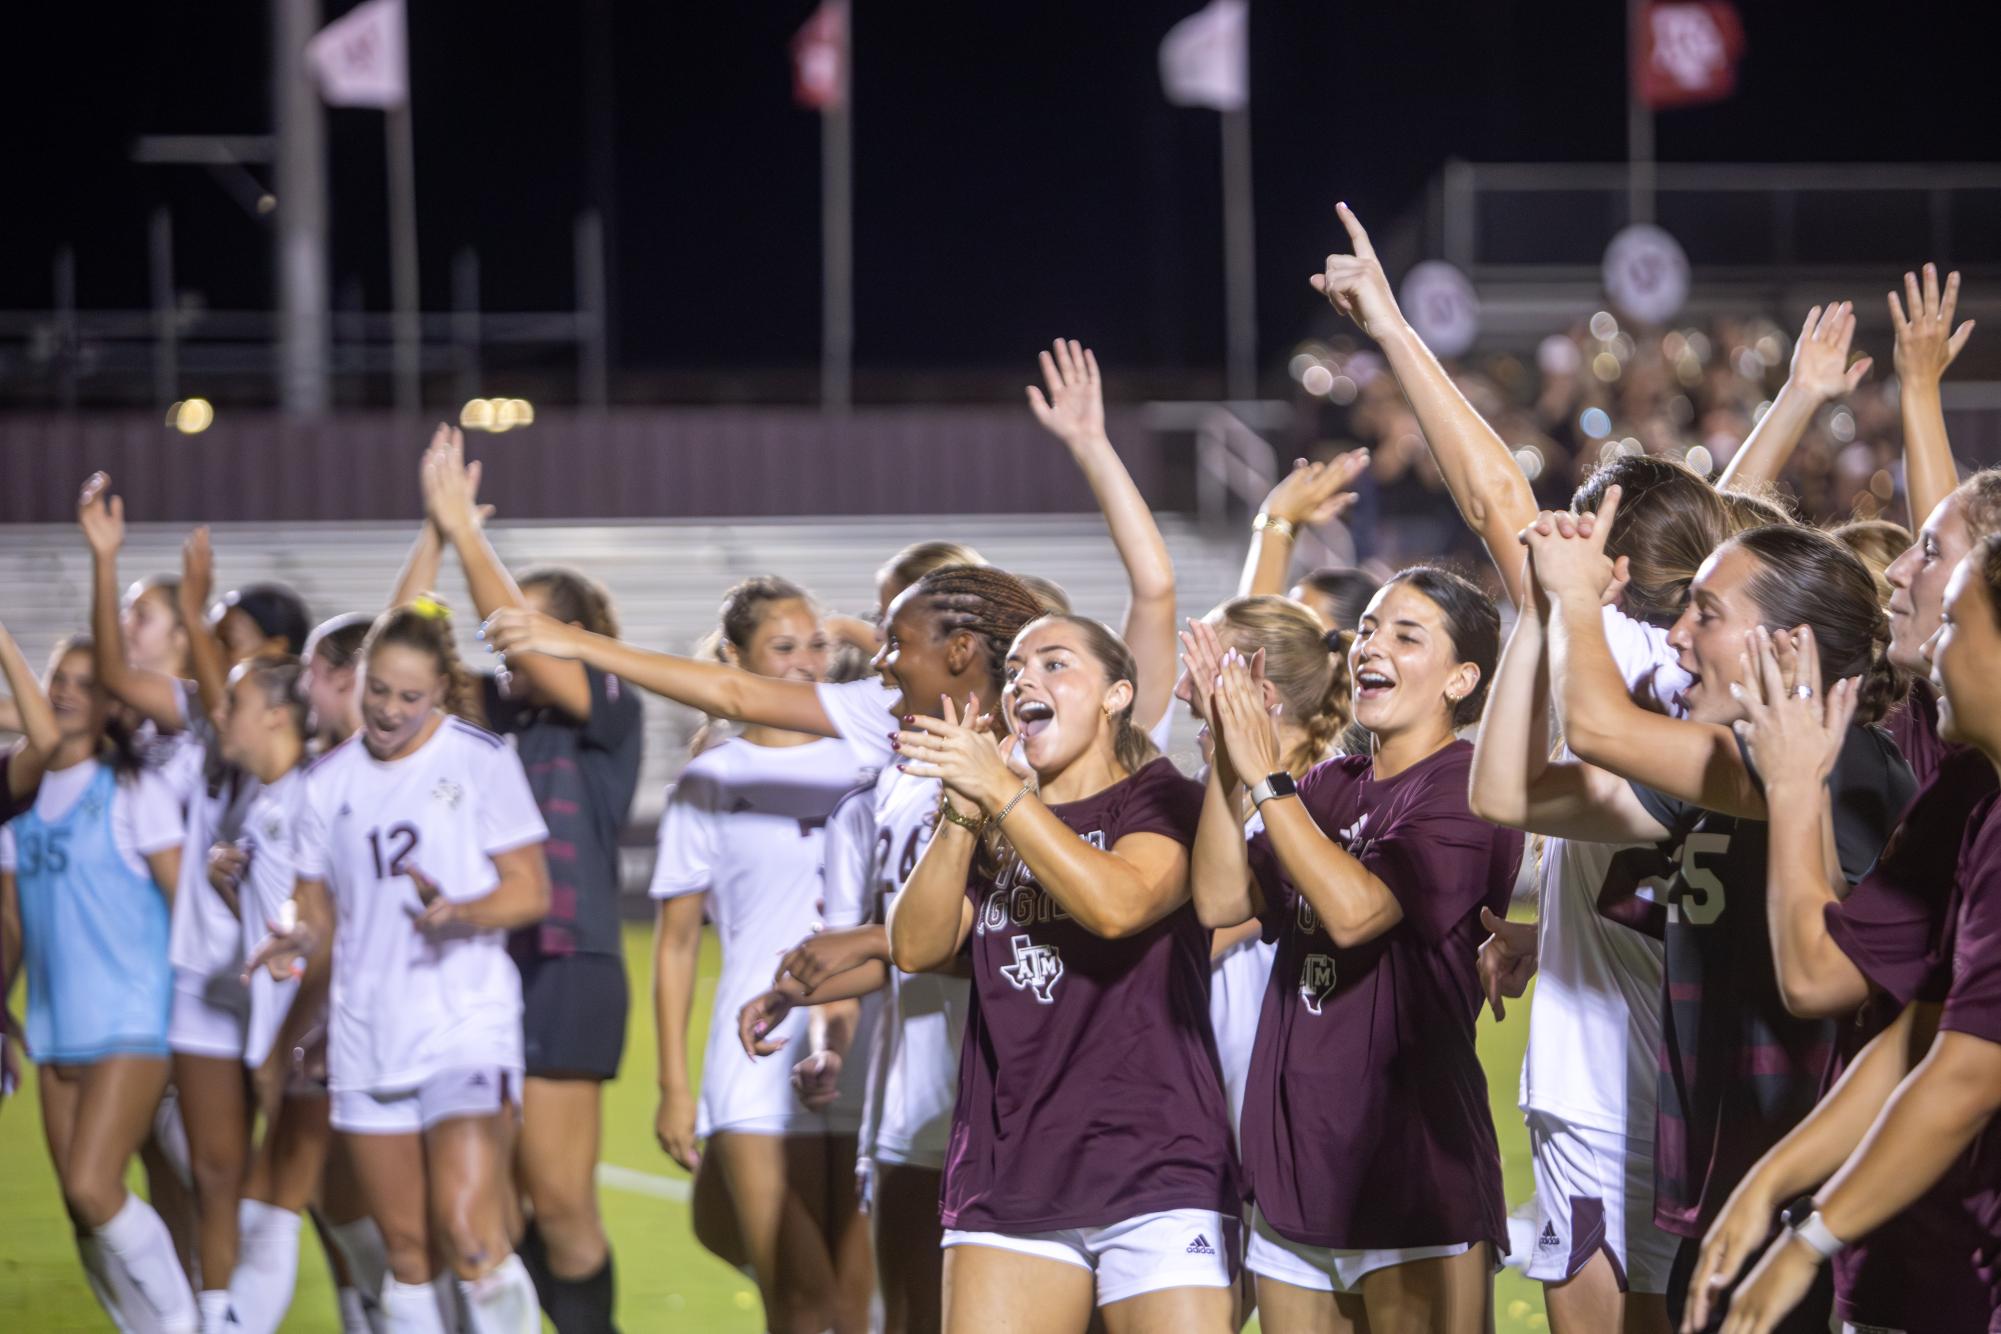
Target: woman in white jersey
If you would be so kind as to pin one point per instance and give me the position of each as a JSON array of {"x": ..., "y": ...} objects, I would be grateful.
[
  {"x": 419, "y": 846},
  {"x": 87, "y": 873},
  {"x": 744, "y": 830}
]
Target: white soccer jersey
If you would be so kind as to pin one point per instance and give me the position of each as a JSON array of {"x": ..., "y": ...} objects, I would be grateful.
[
  {"x": 746, "y": 824},
  {"x": 1237, "y": 983},
  {"x": 914, "y": 1076},
  {"x": 847, "y": 885},
  {"x": 269, "y": 835},
  {"x": 1595, "y": 1025},
  {"x": 408, "y": 1004},
  {"x": 865, "y": 713}
]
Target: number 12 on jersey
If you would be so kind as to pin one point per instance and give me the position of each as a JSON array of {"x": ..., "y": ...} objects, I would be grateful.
[{"x": 401, "y": 840}]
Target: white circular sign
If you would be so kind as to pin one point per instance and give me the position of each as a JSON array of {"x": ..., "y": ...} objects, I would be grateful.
[
  {"x": 1646, "y": 273},
  {"x": 1441, "y": 305}
]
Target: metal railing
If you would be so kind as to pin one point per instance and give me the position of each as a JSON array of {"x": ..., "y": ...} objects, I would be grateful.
[{"x": 1235, "y": 468}]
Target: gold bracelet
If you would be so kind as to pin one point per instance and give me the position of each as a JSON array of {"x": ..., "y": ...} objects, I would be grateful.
[
  {"x": 961, "y": 819},
  {"x": 1283, "y": 527},
  {"x": 1012, "y": 802}
]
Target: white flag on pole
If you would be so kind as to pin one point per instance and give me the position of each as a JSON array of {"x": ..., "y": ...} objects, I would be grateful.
[
  {"x": 1205, "y": 58},
  {"x": 361, "y": 59}
]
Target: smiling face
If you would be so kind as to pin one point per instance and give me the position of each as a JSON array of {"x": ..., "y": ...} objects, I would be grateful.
[
  {"x": 401, "y": 687},
  {"x": 1059, "y": 698},
  {"x": 913, "y": 658},
  {"x": 1961, "y": 655},
  {"x": 788, "y": 643},
  {"x": 246, "y": 720},
  {"x": 242, "y": 638},
  {"x": 1709, "y": 634},
  {"x": 79, "y": 706},
  {"x": 154, "y": 638},
  {"x": 1918, "y": 580},
  {"x": 1406, "y": 669}
]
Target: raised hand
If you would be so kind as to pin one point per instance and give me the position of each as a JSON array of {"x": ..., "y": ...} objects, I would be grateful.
[
  {"x": 1820, "y": 357},
  {"x": 519, "y": 630},
  {"x": 1248, "y": 736},
  {"x": 1074, "y": 410},
  {"x": 1507, "y": 960},
  {"x": 962, "y": 753},
  {"x": 1926, "y": 340},
  {"x": 1316, "y": 493},
  {"x": 758, "y": 1019},
  {"x": 101, "y": 515},
  {"x": 817, "y": 1080},
  {"x": 674, "y": 1127},
  {"x": 197, "y": 574},
  {"x": 451, "y": 485},
  {"x": 1356, "y": 285},
  {"x": 1793, "y": 731},
  {"x": 1202, "y": 660},
  {"x": 1569, "y": 550}
]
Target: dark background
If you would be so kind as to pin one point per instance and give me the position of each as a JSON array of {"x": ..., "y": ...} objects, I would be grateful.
[{"x": 1018, "y": 172}]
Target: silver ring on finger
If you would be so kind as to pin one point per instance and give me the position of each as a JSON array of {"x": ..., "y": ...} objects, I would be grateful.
[{"x": 1802, "y": 691}]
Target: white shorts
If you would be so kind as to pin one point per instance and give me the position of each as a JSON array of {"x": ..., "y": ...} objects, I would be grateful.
[
  {"x": 480, "y": 1090},
  {"x": 1594, "y": 1191},
  {"x": 209, "y": 1016},
  {"x": 1320, "y": 1269},
  {"x": 1177, "y": 1248}
]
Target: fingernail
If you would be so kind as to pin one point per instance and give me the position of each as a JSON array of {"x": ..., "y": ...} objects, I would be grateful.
[
  {"x": 895, "y": 744},
  {"x": 909, "y": 720}
]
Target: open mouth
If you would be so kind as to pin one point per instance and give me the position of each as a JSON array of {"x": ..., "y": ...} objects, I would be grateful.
[
  {"x": 1372, "y": 684},
  {"x": 1032, "y": 717}
]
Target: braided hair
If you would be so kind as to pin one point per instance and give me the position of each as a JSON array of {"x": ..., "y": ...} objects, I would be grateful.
[
  {"x": 988, "y": 603},
  {"x": 1306, "y": 665}
]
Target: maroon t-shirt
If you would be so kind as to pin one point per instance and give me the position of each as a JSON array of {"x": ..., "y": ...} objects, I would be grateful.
[
  {"x": 1089, "y": 1090},
  {"x": 1968, "y": 981},
  {"x": 1366, "y": 1124},
  {"x": 1913, "y": 725},
  {"x": 1891, "y": 927}
]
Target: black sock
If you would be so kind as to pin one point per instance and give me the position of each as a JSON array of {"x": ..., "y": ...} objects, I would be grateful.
[
  {"x": 581, "y": 1305},
  {"x": 534, "y": 1255}
]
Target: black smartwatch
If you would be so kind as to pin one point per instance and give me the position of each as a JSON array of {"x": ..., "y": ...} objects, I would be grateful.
[{"x": 1274, "y": 785}]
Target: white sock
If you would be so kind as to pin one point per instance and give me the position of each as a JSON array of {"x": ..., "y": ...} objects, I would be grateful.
[
  {"x": 97, "y": 1273},
  {"x": 503, "y": 1300},
  {"x": 411, "y": 1308},
  {"x": 354, "y": 1318},
  {"x": 360, "y": 1241},
  {"x": 267, "y": 1265},
  {"x": 136, "y": 1242},
  {"x": 170, "y": 1133},
  {"x": 213, "y": 1304}
]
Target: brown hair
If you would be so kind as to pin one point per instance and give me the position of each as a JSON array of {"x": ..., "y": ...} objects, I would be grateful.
[
  {"x": 1980, "y": 501},
  {"x": 1306, "y": 665},
  {"x": 1055, "y": 601},
  {"x": 575, "y": 598},
  {"x": 1472, "y": 621},
  {"x": 280, "y": 678},
  {"x": 120, "y": 746},
  {"x": 1670, "y": 519},
  {"x": 425, "y": 623},
  {"x": 1346, "y": 589},
  {"x": 988, "y": 603},
  {"x": 1987, "y": 551},
  {"x": 746, "y": 604},
  {"x": 1876, "y": 542},
  {"x": 1805, "y": 577},
  {"x": 918, "y": 559},
  {"x": 337, "y": 640},
  {"x": 1132, "y": 747}
]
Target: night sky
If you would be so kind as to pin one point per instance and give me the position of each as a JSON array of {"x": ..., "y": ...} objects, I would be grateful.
[{"x": 1018, "y": 172}]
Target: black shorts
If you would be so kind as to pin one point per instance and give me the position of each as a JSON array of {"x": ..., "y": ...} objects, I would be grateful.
[{"x": 573, "y": 1015}]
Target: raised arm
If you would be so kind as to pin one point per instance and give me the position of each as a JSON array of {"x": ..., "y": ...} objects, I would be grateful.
[
  {"x": 1480, "y": 471},
  {"x": 716, "y": 689},
  {"x": 1692, "y": 762},
  {"x": 677, "y": 948},
  {"x": 419, "y": 574},
  {"x": 1310, "y": 495},
  {"x": 1926, "y": 345},
  {"x": 204, "y": 649},
  {"x": 451, "y": 499},
  {"x": 1795, "y": 743},
  {"x": 38, "y": 722},
  {"x": 1074, "y": 412},
  {"x": 1806, "y": 1157},
  {"x": 1820, "y": 374},
  {"x": 156, "y": 695}
]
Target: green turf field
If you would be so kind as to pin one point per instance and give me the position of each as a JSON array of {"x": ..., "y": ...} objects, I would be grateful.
[{"x": 665, "y": 1281}]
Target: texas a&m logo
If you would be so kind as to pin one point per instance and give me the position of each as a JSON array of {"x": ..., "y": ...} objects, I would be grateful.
[
  {"x": 1036, "y": 968},
  {"x": 1316, "y": 981}
]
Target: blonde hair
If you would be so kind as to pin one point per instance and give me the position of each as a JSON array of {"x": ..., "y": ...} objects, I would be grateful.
[
  {"x": 1306, "y": 665},
  {"x": 425, "y": 624}
]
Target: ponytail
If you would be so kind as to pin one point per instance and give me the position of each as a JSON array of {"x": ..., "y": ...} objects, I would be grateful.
[
  {"x": 1805, "y": 577},
  {"x": 1306, "y": 665}
]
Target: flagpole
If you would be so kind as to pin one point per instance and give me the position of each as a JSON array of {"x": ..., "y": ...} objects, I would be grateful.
[
  {"x": 1639, "y": 123},
  {"x": 1239, "y": 256},
  {"x": 407, "y": 322},
  {"x": 837, "y": 305},
  {"x": 301, "y": 190}
]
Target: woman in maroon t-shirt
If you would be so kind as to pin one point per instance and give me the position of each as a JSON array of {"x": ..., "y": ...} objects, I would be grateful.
[
  {"x": 1368, "y": 1145},
  {"x": 1922, "y": 1126},
  {"x": 1089, "y": 1163}
]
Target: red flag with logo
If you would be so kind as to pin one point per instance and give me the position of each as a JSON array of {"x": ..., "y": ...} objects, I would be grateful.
[
  {"x": 820, "y": 58},
  {"x": 1687, "y": 53}
]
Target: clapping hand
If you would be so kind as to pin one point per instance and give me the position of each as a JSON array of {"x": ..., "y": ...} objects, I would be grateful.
[
  {"x": 1791, "y": 729},
  {"x": 1313, "y": 494},
  {"x": 961, "y": 752}
]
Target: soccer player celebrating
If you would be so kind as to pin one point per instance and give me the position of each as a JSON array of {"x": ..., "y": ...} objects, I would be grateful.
[
  {"x": 420, "y": 846},
  {"x": 1089, "y": 1028}
]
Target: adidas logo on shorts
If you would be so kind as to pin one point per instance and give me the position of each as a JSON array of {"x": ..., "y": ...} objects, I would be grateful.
[
  {"x": 1200, "y": 1246},
  {"x": 1548, "y": 1241}
]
